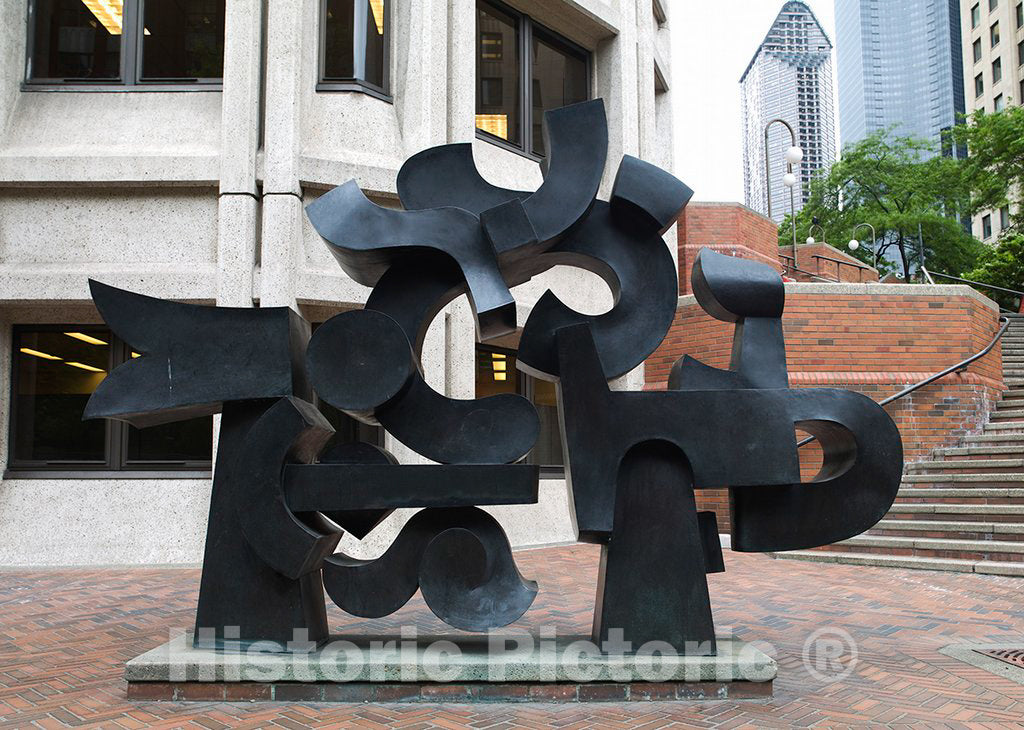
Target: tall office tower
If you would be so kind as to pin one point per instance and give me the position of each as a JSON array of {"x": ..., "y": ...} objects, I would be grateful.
[
  {"x": 789, "y": 78},
  {"x": 900, "y": 66},
  {"x": 993, "y": 47}
]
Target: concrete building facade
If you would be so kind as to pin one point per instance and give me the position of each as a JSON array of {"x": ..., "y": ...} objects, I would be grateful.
[
  {"x": 993, "y": 48},
  {"x": 789, "y": 78},
  {"x": 900, "y": 65},
  {"x": 135, "y": 151}
]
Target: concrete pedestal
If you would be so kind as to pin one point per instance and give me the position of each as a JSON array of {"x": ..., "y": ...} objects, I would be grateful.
[{"x": 458, "y": 668}]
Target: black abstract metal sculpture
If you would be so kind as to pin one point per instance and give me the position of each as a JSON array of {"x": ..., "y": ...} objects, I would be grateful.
[{"x": 286, "y": 488}]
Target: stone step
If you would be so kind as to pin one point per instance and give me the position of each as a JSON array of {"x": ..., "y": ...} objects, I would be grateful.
[
  {"x": 993, "y": 478},
  {"x": 989, "y": 567},
  {"x": 929, "y": 547},
  {"x": 978, "y": 453},
  {"x": 960, "y": 465},
  {"x": 994, "y": 439},
  {"x": 998, "y": 426},
  {"x": 968, "y": 529},
  {"x": 1007, "y": 414},
  {"x": 1012, "y": 373},
  {"x": 974, "y": 511},
  {"x": 971, "y": 495},
  {"x": 1013, "y": 381}
]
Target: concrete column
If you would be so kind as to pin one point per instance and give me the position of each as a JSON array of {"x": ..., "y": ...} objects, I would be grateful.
[
  {"x": 282, "y": 203},
  {"x": 238, "y": 208},
  {"x": 422, "y": 104},
  {"x": 12, "y": 57},
  {"x": 461, "y": 71},
  {"x": 616, "y": 81}
]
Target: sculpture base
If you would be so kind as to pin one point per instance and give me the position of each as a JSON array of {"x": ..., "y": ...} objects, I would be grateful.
[{"x": 497, "y": 668}]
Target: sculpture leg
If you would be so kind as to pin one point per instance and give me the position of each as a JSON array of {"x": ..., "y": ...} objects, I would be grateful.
[
  {"x": 652, "y": 582},
  {"x": 238, "y": 589}
]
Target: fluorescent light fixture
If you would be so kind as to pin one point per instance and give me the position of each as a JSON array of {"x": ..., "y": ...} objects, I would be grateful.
[
  {"x": 500, "y": 376},
  {"x": 496, "y": 124},
  {"x": 83, "y": 366},
  {"x": 498, "y": 365},
  {"x": 86, "y": 338},
  {"x": 377, "y": 6},
  {"x": 36, "y": 353},
  {"x": 497, "y": 356},
  {"x": 135, "y": 355},
  {"x": 108, "y": 12}
]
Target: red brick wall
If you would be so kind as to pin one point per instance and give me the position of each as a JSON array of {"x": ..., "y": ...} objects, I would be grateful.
[
  {"x": 877, "y": 342},
  {"x": 728, "y": 228},
  {"x": 809, "y": 259}
]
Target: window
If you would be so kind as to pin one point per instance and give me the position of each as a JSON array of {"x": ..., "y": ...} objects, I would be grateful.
[
  {"x": 997, "y": 71},
  {"x": 55, "y": 370},
  {"x": 125, "y": 42},
  {"x": 510, "y": 49},
  {"x": 977, "y": 50},
  {"x": 993, "y": 34},
  {"x": 1004, "y": 217},
  {"x": 496, "y": 373},
  {"x": 979, "y": 85},
  {"x": 1020, "y": 15},
  {"x": 993, "y": 4},
  {"x": 975, "y": 16},
  {"x": 997, "y": 104},
  {"x": 1020, "y": 56},
  {"x": 986, "y": 227},
  {"x": 354, "y": 46},
  {"x": 660, "y": 18}
]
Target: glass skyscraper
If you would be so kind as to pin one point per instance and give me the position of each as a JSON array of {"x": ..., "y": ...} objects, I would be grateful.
[
  {"x": 789, "y": 78},
  {"x": 900, "y": 65}
]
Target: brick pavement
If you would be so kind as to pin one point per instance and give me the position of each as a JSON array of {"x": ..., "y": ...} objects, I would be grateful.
[{"x": 65, "y": 634}]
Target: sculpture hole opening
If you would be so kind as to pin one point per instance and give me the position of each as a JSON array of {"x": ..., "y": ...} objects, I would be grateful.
[{"x": 810, "y": 455}]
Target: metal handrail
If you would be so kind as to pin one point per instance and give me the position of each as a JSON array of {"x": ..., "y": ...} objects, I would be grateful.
[
  {"x": 840, "y": 261},
  {"x": 973, "y": 283},
  {"x": 794, "y": 267},
  {"x": 962, "y": 365}
]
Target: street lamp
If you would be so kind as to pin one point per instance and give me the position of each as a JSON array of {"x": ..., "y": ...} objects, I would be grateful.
[
  {"x": 793, "y": 157},
  {"x": 810, "y": 237},
  {"x": 854, "y": 244}
]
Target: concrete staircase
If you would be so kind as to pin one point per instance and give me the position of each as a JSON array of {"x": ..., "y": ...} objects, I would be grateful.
[{"x": 963, "y": 510}]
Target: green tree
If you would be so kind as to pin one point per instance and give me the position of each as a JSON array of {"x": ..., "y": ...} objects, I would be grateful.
[
  {"x": 994, "y": 168},
  {"x": 893, "y": 184},
  {"x": 1002, "y": 265}
]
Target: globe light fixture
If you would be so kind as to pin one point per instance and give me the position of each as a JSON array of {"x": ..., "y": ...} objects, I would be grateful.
[
  {"x": 794, "y": 155},
  {"x": 810, "y": 240},
  {"x": 853, "y": 245},
  {"x": 789, "y": 179}
]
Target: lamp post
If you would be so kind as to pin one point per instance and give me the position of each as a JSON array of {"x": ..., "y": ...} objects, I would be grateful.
[
  {"x": 810, "y": 236},
  {"x": 793, "y": 156},
  {"x": 854, "y": 244}
]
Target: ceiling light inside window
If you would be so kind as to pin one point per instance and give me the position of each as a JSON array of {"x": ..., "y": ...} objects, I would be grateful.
[
  {"x": 86, "y": 338},
  {"x": 37, "y": 353},
  {"x": 496, "y": 124},
  {"x": 377, "y": 6},
  {"x": 108, "y": 12},
  {"x": 83, "y": 366}
]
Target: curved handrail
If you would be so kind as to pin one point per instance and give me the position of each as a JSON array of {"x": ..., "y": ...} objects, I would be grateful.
[
  {"x": 973, "y": 283},
  {"x": 962, "y": 365}
]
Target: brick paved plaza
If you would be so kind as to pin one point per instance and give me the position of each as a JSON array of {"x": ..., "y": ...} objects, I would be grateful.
[{"x": 65, "y": 635}]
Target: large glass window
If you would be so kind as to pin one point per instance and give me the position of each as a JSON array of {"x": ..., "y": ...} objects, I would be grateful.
[
  {"x": 975, "y": 16},
  {"x": 997, "y": 71},
  {"x": 512, "y": 49},
  {"x": 56, "y": 369},
  {"x": 354, "y": 45},
  {"x": 125, "y": 42},
  {"x": 993, "y": 33},
  {"x": 496, "y": 373}
]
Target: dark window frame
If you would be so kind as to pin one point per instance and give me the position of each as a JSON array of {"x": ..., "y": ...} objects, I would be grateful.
[
  {"x": 116, "y": 464},
  {"x": 524, "y": 387},
  {"x": 361, "y": 85},
  {"x": 131, "y": 78},
  {"x": 526, "y": 27}
]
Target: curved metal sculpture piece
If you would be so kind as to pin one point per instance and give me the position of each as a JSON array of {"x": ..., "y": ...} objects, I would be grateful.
[
  {"x": 286, "y": 486},
  {"x": 459, "y": 558}
]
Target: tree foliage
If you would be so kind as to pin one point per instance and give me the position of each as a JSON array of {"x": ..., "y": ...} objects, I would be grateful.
[
  {"x": 1002, "y": 265},
  {"x": 994, "y": 168},
  {"x": 891, "y": 183}
]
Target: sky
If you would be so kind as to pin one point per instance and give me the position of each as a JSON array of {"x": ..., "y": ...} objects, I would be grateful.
[{"x": 712, "y": 43}]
